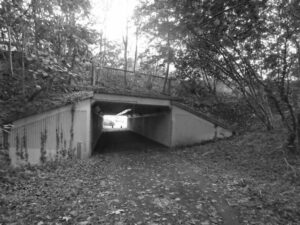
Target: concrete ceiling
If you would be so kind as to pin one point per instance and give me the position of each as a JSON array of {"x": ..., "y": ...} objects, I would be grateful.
[{"x": 113, "y": 108}]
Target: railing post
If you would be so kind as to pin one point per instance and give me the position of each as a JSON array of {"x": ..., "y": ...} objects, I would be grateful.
[
  {"x": 100, "y": 75},
  {"x": 93, "y": 75}
]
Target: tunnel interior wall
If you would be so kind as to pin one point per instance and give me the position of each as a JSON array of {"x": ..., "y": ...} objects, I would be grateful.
[
  {"x": 191, "y": 129},
  {"x": 97, "y": 128},
  {"x": 157, "y": 127}
]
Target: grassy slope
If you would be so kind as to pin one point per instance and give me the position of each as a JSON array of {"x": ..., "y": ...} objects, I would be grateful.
[{"x": 255, "y": 174}]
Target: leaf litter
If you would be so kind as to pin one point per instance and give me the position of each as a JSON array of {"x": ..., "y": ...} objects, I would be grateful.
[{"x": 180, "y": 186}]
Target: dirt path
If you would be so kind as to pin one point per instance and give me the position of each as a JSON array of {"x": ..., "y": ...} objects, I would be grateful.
[
  {"x": 159, "y": 188},
  {"x": 154, "y": 187},
  {"x": 148, "y": 186}
]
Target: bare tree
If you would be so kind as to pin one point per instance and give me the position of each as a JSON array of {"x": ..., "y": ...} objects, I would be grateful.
[
  {"x": 11, "y": 68},
  {"x": 136, "y": 48},
  {"x": 168, "y": 62},
  {"x": 125, "y": 42}
]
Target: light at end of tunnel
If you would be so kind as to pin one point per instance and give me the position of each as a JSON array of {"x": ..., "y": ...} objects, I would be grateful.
[{"x": 114, "y": 122}]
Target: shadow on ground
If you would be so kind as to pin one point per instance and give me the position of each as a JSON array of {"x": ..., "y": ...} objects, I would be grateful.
[
  {"x": 154, "y": 186},
  {"x": 125, "y": 141}
]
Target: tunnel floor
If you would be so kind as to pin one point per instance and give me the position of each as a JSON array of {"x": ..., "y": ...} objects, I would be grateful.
[{"x": 124, "y": 140}]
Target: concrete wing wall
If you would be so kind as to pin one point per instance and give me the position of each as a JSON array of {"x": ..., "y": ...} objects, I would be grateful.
[
  {"x": 156, "y": 127},
  {"x": 59, "y": 133},
  {"x": 189, "y": 128}
]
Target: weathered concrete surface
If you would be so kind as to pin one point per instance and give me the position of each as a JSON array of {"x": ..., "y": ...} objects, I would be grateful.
[
  {"x": 157, "y": 127},
  {"x": 52, "y": 135},
  {"x": 163, "y": 120},
  {"x": 150, "y": 117},
  {"x": 74, "y": 130},
  {"x": 135, "y": 100},
  {"x": 189, "y": 128}
]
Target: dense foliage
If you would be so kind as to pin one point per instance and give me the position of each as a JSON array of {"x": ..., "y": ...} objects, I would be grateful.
[
  {"x": 48, "y": 44},
  {"x": 251, "y": 46}
]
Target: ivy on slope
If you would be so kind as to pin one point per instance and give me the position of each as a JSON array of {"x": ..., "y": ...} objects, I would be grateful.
[{"x": 15, "y": 108}]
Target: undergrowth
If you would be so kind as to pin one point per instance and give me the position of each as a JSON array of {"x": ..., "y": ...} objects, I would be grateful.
[{"x": 259, "y": 176}]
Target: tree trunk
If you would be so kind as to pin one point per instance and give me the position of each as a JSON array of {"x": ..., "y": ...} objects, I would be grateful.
[
  {"x": 298, "y": 132},
  {"x": 23, "y": 63},
  {"x": 125, "y": 41},
  {"x": 11, "y": 68},
  {"x": 298, "y": 51},
  {"x": 168, "y": 63},
  {"x": 136, "y": 49},
  {"x": 166, "y": 77},
  {"x": 93, "y": 74},
  {"x": 34, "y": 14},
  {"x": 125, "y": 67},
  {"x": 262, "y": 97},
  {"x": 101, "y": 50}
]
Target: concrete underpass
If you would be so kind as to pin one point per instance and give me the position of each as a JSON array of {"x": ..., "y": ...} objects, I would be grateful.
[
  {"x": 148, "y": 124},
  {"x": 78, "y": 127},
  {"x": 151, "y": 122}
]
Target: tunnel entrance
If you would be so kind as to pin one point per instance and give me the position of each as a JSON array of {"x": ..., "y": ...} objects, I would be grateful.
[
  {"x": 147, "y": 126},
  {"x": 124, "y": 141}
]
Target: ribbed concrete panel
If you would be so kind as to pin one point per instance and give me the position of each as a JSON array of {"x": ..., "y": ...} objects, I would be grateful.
[{"x": 61, "y": 133}]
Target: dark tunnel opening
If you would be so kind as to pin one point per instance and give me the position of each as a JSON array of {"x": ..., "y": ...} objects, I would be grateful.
[
  {"x": 124, "y": 141},
  {"x": 147, "y": 123}
]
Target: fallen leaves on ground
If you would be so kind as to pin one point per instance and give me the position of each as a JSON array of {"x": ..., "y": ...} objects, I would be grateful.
[
  {"x": 237, "y": 182},
  {"x": 116, "y": 188},
  {"x": 251, "y": 172}
]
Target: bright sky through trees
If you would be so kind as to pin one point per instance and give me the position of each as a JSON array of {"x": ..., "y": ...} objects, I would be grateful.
[{"x": 111, "y": 17}]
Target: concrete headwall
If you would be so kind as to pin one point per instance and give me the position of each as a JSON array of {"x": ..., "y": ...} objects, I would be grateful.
[
  {"x": 189, "y": 128},
  {"x": 157, "y": 127},
  {"x": 60, "y": 133}
]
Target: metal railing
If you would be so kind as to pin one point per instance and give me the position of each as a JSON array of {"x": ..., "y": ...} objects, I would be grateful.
[{"x": 135, "y": 81}]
